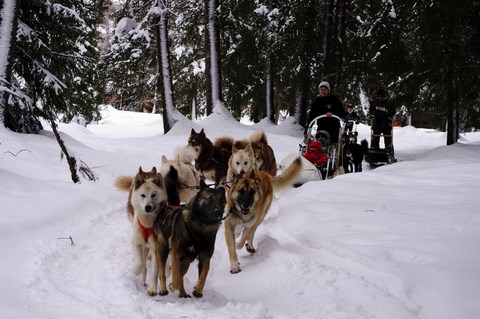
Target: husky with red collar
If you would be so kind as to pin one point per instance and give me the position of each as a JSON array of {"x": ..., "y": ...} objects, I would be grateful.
[{"x": 148, "y": 199}]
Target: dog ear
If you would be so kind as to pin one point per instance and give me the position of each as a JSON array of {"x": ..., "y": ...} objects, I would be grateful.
[
  {"x": 164, "y": 159},
  {"x": 192, "y": 132},
  {"x": 158, "y": 180},
  {"x": 140, "y": 170},
  {"x": 139, "y": 180},
  {"x": 154, "y": 170},
  {"x": 249, "y": 147}
]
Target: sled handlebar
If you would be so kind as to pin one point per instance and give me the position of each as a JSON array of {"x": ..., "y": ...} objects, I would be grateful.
[{"x": 312, "y": 122}]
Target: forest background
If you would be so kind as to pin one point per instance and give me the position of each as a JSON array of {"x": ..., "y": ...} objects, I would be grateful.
[{"x": 62, "y": 59}]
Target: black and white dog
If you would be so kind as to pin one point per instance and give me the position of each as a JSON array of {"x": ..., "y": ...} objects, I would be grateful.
[{"x": 354, "y": 154}]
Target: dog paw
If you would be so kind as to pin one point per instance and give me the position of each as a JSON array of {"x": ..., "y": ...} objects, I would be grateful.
[
  {"x": 197, "y": 294},
  {"x": 235, "y": 267},
  {"x": 184, "y": 295},
  {"x": 152, "y": 293},
  {"x": 163, "y": 293},
  {"x": 250, "y": 249},
  {"x": 235, "y": 270}
]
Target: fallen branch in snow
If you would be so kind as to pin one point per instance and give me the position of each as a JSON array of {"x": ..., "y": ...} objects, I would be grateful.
[
  {"x": 87, "y": 171},
  {"x": 17, "y": 152},
  {"x": 71, "y": 239}
]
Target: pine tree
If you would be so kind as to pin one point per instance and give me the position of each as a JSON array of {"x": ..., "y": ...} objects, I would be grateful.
[
  {"x": 188, "y": 56},
  {"x": 130, "y": 62},
  {"x": 53, "y": 66},
  {"x": 55, "y": 51},
  {"x": 140, "y": 48}
]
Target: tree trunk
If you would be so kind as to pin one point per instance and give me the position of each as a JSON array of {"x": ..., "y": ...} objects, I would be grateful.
[
  {"x": 452, "y": 129},
  {"x": 451, "y": 44},
  {"x": 164, "y": 71},
  {"x": 328, "y": 38},
  {"x": 208, "y": 62},
  {"x": 8, "y": 30},
  {"x": 72, "y": 162},
  {"x": 194, "y": 108},
  {"x": 340, "y": 13},
  {"x": 269, "y": 112},
  {"x": 213, "y": 53},
  {"x": 269, "y": 87}
]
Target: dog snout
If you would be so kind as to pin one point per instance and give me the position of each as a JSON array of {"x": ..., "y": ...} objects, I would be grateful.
[
  {"x": 245, "y": 205},
  {"x": 148, "y": 208}
]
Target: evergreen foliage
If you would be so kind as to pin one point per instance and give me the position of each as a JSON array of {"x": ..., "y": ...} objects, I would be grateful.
[
  {"x": 56, "y": 51},
  {"x": 129, "y": 64},
  {"x": 424, "y": 53}
]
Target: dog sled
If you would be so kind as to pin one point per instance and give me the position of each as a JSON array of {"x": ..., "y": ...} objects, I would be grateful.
[
  {"x": 380, "y": 156},
  {"x": 311, "y": 172}
]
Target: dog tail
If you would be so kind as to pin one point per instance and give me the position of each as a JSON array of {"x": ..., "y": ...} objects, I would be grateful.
[
  {"x": 288, "y": 177},
  {"x": 258, "y": 137},
  {"x": 364, "y": 145},
  {"x": 224, "y": 142},
  {"x": 123, "y": 183},
  {"x": 171, "y": 185},
  {"x": 186, "y": 154}
]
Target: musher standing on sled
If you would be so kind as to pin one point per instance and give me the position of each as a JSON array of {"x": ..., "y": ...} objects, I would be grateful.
[
  {"x": 327, "y": 104},
  {"x": 382, "y": 113}
]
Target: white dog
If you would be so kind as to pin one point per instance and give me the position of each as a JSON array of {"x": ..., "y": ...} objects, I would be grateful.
[
  {"x": 188, "y": 176},
  {"x": 148, "y": 198},
  {"x": 241, "y": 161}
]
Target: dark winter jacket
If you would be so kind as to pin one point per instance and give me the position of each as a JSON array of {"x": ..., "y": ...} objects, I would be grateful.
[
  {"x": 351, "y": 116},
  {"x": 324, "y": 104},
  {"x": 382, "y": 112}
]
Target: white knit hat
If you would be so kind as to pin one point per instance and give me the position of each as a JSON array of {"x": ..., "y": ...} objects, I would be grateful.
[{"x": 325, "y": 84}]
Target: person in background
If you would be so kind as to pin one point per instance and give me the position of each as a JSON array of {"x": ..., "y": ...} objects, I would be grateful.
[
  {"x": 327, "y": 104},
  {"x": 351, "y": 116},
  {"x": 382, "y": 113}
]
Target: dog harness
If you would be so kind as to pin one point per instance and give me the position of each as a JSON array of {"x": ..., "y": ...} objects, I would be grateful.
[{"x": 146, "y": 232}]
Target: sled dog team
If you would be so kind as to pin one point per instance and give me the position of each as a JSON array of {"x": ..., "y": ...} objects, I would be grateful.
[{"x": 175, "y": 215}]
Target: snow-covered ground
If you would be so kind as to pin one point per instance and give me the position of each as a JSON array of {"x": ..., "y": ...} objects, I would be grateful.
[{"x": 400, "y": 241}]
